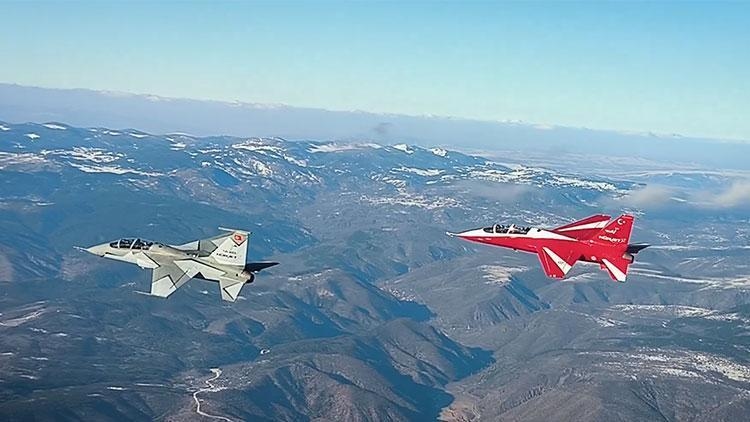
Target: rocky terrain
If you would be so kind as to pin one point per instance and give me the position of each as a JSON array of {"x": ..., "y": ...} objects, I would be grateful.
[{"x": 374, "y": 313}]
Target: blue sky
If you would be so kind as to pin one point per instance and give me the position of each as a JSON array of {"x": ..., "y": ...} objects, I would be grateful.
[{"x": 662, "y": 67}]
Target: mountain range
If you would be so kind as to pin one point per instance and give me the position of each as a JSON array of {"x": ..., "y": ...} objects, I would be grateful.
[{"x": 374, "y": 313}]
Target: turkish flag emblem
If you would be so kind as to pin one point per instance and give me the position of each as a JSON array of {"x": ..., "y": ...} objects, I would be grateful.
[{"x": 238, "y": 239}]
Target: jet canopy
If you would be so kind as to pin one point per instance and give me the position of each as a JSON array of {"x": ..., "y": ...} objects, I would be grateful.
[
  {"x": 511, "y": 229},
  {"x": 130, "y": 243}
]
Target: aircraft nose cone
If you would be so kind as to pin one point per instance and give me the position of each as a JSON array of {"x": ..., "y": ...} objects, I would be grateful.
[
  {"x": 470, "y": 234},
  {"x": 98, "y": 250},
  {"x": 462, "y": 235}
]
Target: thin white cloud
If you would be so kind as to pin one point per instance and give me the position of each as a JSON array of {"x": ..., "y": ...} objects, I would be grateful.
[
  {"x": 500, "y": 192},
  {"x": 736, "y": 195},
  {"x": 649, "y": 196}
]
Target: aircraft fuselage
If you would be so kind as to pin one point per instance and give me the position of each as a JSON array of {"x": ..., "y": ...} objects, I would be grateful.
[
  {"x": 535, "y": 239},
  {"x": 594, "y": 239},
  {"x": 134, "y": 254}
]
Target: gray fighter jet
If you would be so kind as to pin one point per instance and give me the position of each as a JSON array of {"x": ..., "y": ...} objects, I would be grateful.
[{"x": 221, "y": 258}]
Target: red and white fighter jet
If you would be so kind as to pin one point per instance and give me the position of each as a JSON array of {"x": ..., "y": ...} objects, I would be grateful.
[{"x": 593, "y": 239}]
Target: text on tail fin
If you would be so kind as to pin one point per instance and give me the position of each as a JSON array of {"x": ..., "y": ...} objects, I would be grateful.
[
  {"x": 231, "y": 249},
  {"x": 617, "y": 232}
]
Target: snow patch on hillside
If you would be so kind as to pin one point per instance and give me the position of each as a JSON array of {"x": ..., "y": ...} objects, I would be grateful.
[
  {"x": 439, "y": 152},
  {"x": 418, "y": 171},
  {"x": 728, "y": 317},
  {"x": 676, "y": 363},
  {"x": 16, "y": 158},
  {"x": 54, "y": 126},
  {"x": 412, "y": 200},
  {"x": 22, "y": 319},
  {"x": 334, "y": 147},
  {"x": 404, "y": 148},
  {"x": 251, "y": 167},
  {"x": 261, "y": 168},
  {"x": 94, "y": 155},
  {"x": 709, "y": 282},
  {"x": 680, "y": 311},
  {"x": 499, "y": 275},
  {"x": 539, "y": 177},
  {"x": 672, "y": 310},
  {"x": 585, "y": 184},
  {"x": 259, "y": 147},
  {"x": 296, "y": 161},
  {"x": 111, "y": 169}
]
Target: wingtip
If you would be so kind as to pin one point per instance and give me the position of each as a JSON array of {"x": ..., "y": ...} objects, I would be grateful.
[{"x": 227, "y": 229}]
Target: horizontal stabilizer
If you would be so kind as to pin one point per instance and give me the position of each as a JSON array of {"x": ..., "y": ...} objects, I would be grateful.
[
  {"x": 616, "y": 267},
  {"x": 257, "y": 266},
  {"x": 230, "y": 288},
  {"x": 637, "y": 247}
]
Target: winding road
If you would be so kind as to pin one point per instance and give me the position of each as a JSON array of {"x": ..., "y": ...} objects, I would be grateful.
[{"x": 210, "y": 388}]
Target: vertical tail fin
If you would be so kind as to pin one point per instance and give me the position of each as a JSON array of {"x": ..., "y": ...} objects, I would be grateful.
[
  {"x": 231, "y": 249},
  {"x": 617, "y": 232}
]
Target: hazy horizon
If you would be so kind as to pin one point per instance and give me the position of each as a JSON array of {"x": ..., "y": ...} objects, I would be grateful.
[
  {"x": 530, "y": 124},
  {"x": 646, "y": 67}
]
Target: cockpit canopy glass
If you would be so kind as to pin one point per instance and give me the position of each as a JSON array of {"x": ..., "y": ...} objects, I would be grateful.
[
  {"x": 511, "y": 229},
  {"x": 129, "y": 243}
]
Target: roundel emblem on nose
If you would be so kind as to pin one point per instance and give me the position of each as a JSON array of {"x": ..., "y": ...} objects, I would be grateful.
[{"x": 620, "y": 221}]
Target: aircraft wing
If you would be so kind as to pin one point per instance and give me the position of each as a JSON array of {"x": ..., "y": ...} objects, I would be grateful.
[
  {"x": 205, "y": 246},
  {"x": 556, "y": 261},
  {"x": 168, "y": 277}
]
